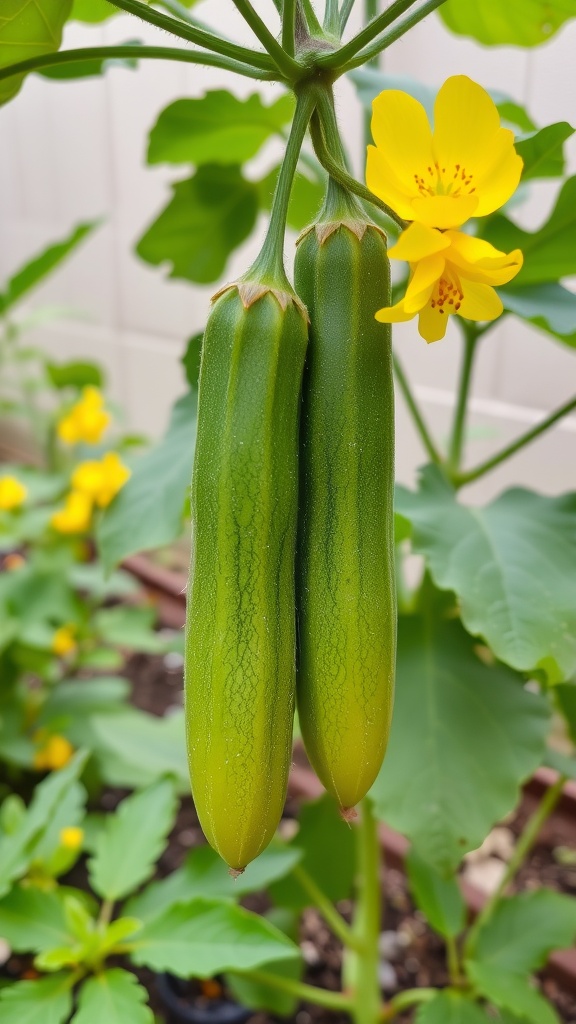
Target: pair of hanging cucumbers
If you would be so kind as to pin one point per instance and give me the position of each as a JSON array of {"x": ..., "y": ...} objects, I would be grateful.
[{"x": 292, "y": 528}]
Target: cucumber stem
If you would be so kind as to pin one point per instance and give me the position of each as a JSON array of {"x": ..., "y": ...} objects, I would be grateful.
[
  {"x": 362, "y": 972},
  {"x": 333, "y": 918}
]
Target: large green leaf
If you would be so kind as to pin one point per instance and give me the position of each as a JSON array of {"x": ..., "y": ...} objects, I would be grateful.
[
  {"x": 148, "y": 512},
  {"x": 132, "y": 840},
  {"x": 514, "y": 23},
  {"x": 439, "y": 898},
  {"x": 511, "y": 564},
  {"x": 130, "y": 626},
  {"x": 321, "y": 831},
  {"x": 543, "y": 151},
  {"x": 48, "y": 1001},
  {"x": 512, "y": 992},
  {"x": 464, "y": 738},
  {"x": 208, "y": 217},
  {"x": 452, "y": 1008},
  {"x": 28, "y": 276},
  {"x": 28, "y": 30},
  {"x": 32, "y": 920},
  {"x": 114, "y": 997},
  {"x": 92, "y": 11},
  {"x": 203, "y": 938},
  {"x": 135, "y": 748},
  {"x": 525, "y": 929},
  {"x": 218, "y": 128},
  {"x": 205, "y": 874},
  {"x": 549, "y": 252},
  {"x": 551, "y": 307}
]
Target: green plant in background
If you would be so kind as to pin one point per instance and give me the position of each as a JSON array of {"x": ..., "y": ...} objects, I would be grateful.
[{"x": 496, "y": 604}]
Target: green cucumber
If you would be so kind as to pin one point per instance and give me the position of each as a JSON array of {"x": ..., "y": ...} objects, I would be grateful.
[
  {"x": 240, "y": 634},
  {"x": 346, "y": 593}
]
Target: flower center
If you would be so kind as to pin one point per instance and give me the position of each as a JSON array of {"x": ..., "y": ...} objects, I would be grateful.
[
  {"x": 445, "y": 181},
  {"x": 447, "y": 295}
]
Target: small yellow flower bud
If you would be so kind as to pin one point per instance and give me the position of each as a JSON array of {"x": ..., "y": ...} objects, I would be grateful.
[
  {"x": 63, "y": 641},
  {"x": 87, "y": 419},
  {"x": 12, "y": 493},
  {"x": 75, "y": 516},
  {"x": 71, "y": 837},
  {"x": 55, "y": 753}
]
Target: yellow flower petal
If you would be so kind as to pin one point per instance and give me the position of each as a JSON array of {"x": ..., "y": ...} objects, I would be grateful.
[
  {"x": 71, "y": 837},
  {"x": 432, "y": 323},
  {"x": 417, "y": 242},
  {"x": 480, "y": 302},
  {"x": 63, "y": 641},
  {"x": 481, "y": 261},
  {"x": 443, "y": 211},
  {"x": 12, "y": 493},
  {"x": 501, "y": 177},
  {"x": 401, "y": 131},
  {"x": 382, "y": 181},
  {"x": 88, "y": 477},
  {"x": 76, "y": 514},
  {"x": 466, "y": 120},
  {"x": 426, "y": 273},
  {"x": 393, "y": 314}
]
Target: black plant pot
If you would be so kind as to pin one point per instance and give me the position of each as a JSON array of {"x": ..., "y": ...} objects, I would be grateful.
[{"x": 184, "y": 1006}]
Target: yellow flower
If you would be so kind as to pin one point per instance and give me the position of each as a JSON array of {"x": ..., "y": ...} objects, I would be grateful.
[
  {"x": 75, "y": 516},
  {"x": 63, "y": 641},
  {"x": 87, "y": 419},
  {"x": 12, "y": 493},
  {"x": 102, "y": 480},
  {"x": 466, "y": 167},
  {"x": 71, "y": 837},
  {"x": 450, "y": 273},
  {"x": 53, "y": 754}
]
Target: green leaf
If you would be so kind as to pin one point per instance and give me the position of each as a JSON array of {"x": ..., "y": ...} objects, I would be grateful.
[
  {"x": 451, "y": 1008},
  {"x": 205, "y": 874},
  {"x": 133, "y": 839},
  {"x": 543, "y": 151},
  {"x": 565, "y": 695},
  {"x": 74, "y": 374},
  {"x": 113, "y": 996},
  {"x": 17, "y": 849},
  {"x": 551, "y": 307},
  {"x": 28, "y": 30},
  {"x": 561, "y": 763},
  {"x": 45, "y": 262},
  {"x": 549, "y": 252},
  {"x": 135, "y": 748},
  {"x": 525, "y": 929},
  {"x": 48, "y": 1001},
  {"x": 321, "y": 831},
  {"x": 129, "y": 626},
  {"x": 369, "y": 83},
  {"x": 464, "y": 738},
  {"x": 32, "y": 920},
  {"x": 512, "y": 992},
  {"x": 515, "y": 23},
  {"x": 84, "y": 697},
  {"x": 92, "y": 11},
  {"x": 208, "y": 217},
  {"x": 511, "y": 565},
  {"x": 148, "y": 512},
  {"x": 305, "y": 197},
  {"x": 203, "y": 938},
  {"x": 218, "y": 128},
  {"x": 439, "y": 898},
  {"x": 70, "y": 811}
]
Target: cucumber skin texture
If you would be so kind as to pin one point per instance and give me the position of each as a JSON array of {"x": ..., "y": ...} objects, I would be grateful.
[
  {"x": 240, "y": 631},
  {"x": 346, "y": 592}
]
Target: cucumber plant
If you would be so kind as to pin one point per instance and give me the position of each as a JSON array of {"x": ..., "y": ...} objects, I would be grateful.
[{"x": 466, "y": 731}]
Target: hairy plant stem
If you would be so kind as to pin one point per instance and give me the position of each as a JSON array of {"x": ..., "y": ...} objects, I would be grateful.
[
  {"x": 332, "y": 917},
  {"x": 268, "y": 266},
  {"x": 300, "y": 990},
  {"x": 282, "y": 59},
  {"x": 88, "y": 53},
  {"x": 416, "y": 414},
  {"x": 324, "y": 130},
  {"x": 332, "y": 18},
  {"x": 366, "y": 35},
  {"x": 362, "y": 967},
  {"x": 370, "y": 12},
  {"x": 386, "y": 40},
  {"x": 196, "y": 35},
  {"x": 345, "y": 13},
  {"x": 471, "y": 335},
  {"x": 289, "y": 26},
  {"x": 460, "y": 479},
  {"x": 525, "y": 843},
  {"x": 405, "y": 1000}
]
